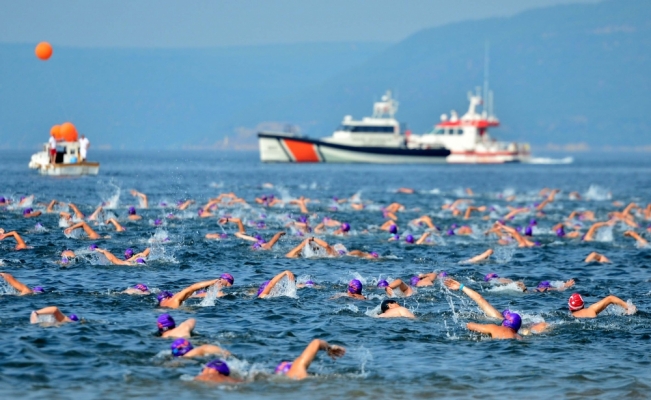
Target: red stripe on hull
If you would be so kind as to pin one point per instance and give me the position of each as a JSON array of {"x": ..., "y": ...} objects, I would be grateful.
[{"x": 302, "y": 152}]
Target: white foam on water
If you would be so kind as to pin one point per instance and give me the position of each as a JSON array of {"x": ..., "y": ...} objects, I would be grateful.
[
  {"x": 504, "y": 254},
  {"x": 598, "y": 193},
  {"x": 211, "y": 296},
  {"x": 605, "y": 234},
  {"x": 545, "y": 160},
  {"x": 374, "y": 312},
  {"x": 348, "y": 307},
  {"x": 46, "y": 319},
  {"x": 6, "y": 288},
  {"x": 313, "y": 250},
  {"x": 509, "y": 287},
  {"x": 284, "y": 287},
  {"x": 110, "y": 194}
]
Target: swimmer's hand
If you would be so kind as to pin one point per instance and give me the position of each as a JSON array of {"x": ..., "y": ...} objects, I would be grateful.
[
  {"x": 631, "y": 309},
  {"x": 568, "y": 284},
  {"x": 452, "y": 284},
  {"x": 335, "y": 351}
]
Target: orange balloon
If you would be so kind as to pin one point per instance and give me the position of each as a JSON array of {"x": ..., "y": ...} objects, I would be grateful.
[
  {"x": 68, "y": 132},
  {"x": 43, "y": 51},
  {"x": 55, "y": 131}
]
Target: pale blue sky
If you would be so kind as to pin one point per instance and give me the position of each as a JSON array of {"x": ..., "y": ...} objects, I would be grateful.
[{"x": 202, "y": 23}]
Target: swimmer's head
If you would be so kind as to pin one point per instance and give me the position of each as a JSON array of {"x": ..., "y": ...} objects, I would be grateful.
[
  {"x": 142, "y": 287},
  {"x": 533, "y": 222},
  {"x": 544, "y": 285},
  {"x": 165, "y": 322},
  {"x": 511, "y": 320},
  {"x": 385, "y": 304},
  {"x": 93, "y": 247},
  {"x": 164, "y": 295},
  {"x": 490, "y": 276},
  {"x": 283, "y": 368},
  {"x": 442, "y": 274},
  {"x": 260, "y": 224},
  {"x": 575, "y": 302},
  {"x": 27, "y": 211},
  {"x": 2, "y": 200},
  {"x": 341, "y": 249},
  {"x": 395, "y": 237},
  {"x": 345, "y": 227},
  {"x": 355, "y": 287},
  {"x": 302, "y": 218},
  {"x": 74, "y": 317},
  {"x": 64, "y": 260},
  {"x": 528, "y": 231},
  {"x": 409, "y": 239},
  {"x": 140, "y": 261},
  {"x": 382, "y": 283},
  {"x": 262, "y": 288},
  {"x": 309, "y": 283},
  {"x": 158, "y": 222},
  {"x": 180, "y": 347},
  {"x": 259, "y": 238},
  {"x": 228, "y": 278},
  {"x": 219, "y": 366},
  {"x": 257, "y": 245},
  {"x": 560, "y": 232},
  {"x": 128, "y": 253},
  {"x": 132, "y": 210},
  {"x": 393, "y": 229},
  {"x": 414, "y": 280},
  {"x": 374, "y": 254},
  {"x": 518, "y": 229},
  {"x": 450, "y": 232},
  {"x": 38, "y": 289},
  {"x": 223, "y": 235},
  {"x": 200, "y": 211}
]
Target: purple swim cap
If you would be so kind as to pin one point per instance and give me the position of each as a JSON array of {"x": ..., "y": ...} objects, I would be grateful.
[
  {"x": 490, "y": 276},
  {"x": 544, "y": 285},
  {"x": 258, "y": 237},
  {"x": 393, "y": 229},
  {"x": 158, "y": 222},
  {"x": 355, "y": 286},
  {"x": 165, "y": 322},
  {"x": 262, "y": 288},
  {"x": 374, "y": 254},
  {"x": 22, "y": 198},
  {"x": 140, "y": 261},
  {"x": 396, "y": 237},
  {"x": 219, "y": 366},
  {"x": 560, "y": 232},
  {"x": 164, "y": 295},
  {"x": 518, "y": 229},
  {"x": 200, "y": 211},
  {"x": 511, "y": 320},
  {"x": 228, "y": 277},
  {"x": 528, "y": 231},
  {"x": 257, "y": 245},
  {"x": 414, "y": 280},
  {"x": 170, "y": 215},
  {"x": 27, "y": 211},
  {"x": 409, "y": 239},
  {"x": 65, "y": 260},
  {"x": 345, "y": 227},
  {"x": 2, "y": 200},
  {"x": 309, "y": 283},
  {"x": 442, "y": 274},
  {"x": 93, "y": 246},
  {"x": 533, "y": 222},
  {"x": 38, "y": 289},
  {"x": 450, "y": 232},
  {"x": 142, "y": 287},
  {"x": 341, "y": 252},
  {"x": 454, "y": 226},
  {"x": 260, "y": 224},
  {"x": 132, "y": 210},
  {"x": 180, "y": 347},
  {"x": 283, "y": 368},
  {"x": 383, "y": 283},
  {"x": 302, "y": 219},
  {"x": 263, "y": 198},
  {"x": 73, "y": 317},
  {"x": 223, "y": 235}
]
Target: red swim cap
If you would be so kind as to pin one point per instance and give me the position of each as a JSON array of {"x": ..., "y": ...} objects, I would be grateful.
[{"x": 575, "y": 302}]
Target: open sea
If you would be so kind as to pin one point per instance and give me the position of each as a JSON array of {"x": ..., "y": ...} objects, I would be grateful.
[{"x": 115, "y": 352}]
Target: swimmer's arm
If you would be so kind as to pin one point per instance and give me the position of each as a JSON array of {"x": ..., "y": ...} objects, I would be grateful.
[
  {"x": 143, "y": 254},
  {"x": 19, "y": 286},
  {"x": 207, "y": 349},
  {"x": 78, "y": 213},
  {"x": 302, "y": 362},
  {"x": 400, "y": 284},
  {"x": 245, "y": 237},
  {"x": 95, "y": 213},
  {"x": 273, "y": 241},
  {"x": 608, "y": 300},
  {"x": 275, "y": 280},
  {"x": 112, "y": 258},
  {"x": 486, "y": 307},
  {"x": 481, "y": 257},
  {"x": 319, "y": 228},
  {"x": 481, "y": 328},
  {"x": 293, "y": 253},
  {"x": 50, "y": 207},
  {"x": 422, "y": 238},
  {"x": 325, "y": 245},
  {"x": 52, "y": 310},
  {"x": 184, "y": 294}
]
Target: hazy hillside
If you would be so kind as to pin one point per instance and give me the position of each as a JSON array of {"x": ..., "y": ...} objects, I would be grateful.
[{"x": 566, "y": 74}]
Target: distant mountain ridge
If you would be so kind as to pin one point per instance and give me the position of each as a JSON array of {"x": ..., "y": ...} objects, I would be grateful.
[{"x": 564, "y": 74}]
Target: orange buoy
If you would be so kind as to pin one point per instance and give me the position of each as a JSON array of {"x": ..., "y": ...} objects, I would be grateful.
[
  {"x": 68, "y": 132},
  {"x": 43, "y": 51},
  {"x": 55, "y": 131}
]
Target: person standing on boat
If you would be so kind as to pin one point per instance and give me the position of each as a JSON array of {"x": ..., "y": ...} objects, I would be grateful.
[
  {"x": 84, "y": 145},
  {"x": 52, "y": 147}
]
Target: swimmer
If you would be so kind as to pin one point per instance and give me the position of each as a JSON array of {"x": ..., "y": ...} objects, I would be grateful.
[
  {"x": 225, "y": 280},
  {"x": 589, "y": 236},
  {"x": 404, "y": 190},
  {"x": 78, "y": 214},
  {"x": 302, "y": 204},
  {"x": 428, "y": 279},
  {"x": 20, "y": 243},
  {"x": 578, "y": 310},
  {"x": 480, "y": 257},
  {"x": 170, "y": 300},
  {"x": 397, "y": 283},
  {"x": 167, "y": 327},
  {"x": 241, "y": 230},
  {"x": 425, "y": 219},
  {"x": 260, "y": 244},
  {"x": 545, "y": 286},
  {"x": 494, "y": 278},
  {"x": 54, "y": 312},
  {"x": 266, "y": 287},
  {"x": 315, "y": 244},
  {"x": 640, "y": 240},
  {"x": 391, "y": 309},
  {"x": 522, "y": 242},
  {"x": 26, "y": 200},
  {"x": 216, "y": 371},
  {"x": 83, "y": 225},
  {"x": 116, "y": 261},
  {"x": 511, "y": 322},
  {"x": 596, "y": 257},
  {"x": 30, "y": 213},
  {"x": 94, "y": 216},
  {"x": 142, "y": 197},
  {"x": 182, "y": 205},
  {"x": 515, "y": 212},
  {"x": 116, "y": 224},
  {"x": 560, "y": 231},
  {"x": 21, "y": 287},
  {"x": 50, "y": 207},
  {"x": 4, "y": 202},
  {"x": 297, "y": 369},
  {"x": 183, "y": 348},
  {"x": 308, "y": 284},
  {"x": 132, "y": 214},
  {"x": 362, "y": 254},
  {"x": 343, "y": 229},
  {"x": 355, "y": 290},
  {"x": 139, "y": 289},
  {"x": 470, "y": 209},
  {"x": 326, "y": 223},
  {"x": 389, "y": 226}
]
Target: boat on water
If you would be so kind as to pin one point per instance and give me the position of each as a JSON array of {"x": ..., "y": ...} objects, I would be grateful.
[
  {"x": 66, "y": 162},
  {"x": 382, "y": 139}
]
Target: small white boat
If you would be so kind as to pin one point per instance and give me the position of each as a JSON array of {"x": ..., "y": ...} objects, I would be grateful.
[{"x": 66, "y": 163}]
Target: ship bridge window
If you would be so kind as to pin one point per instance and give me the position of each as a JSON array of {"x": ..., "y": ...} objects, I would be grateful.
[
  {"x": 367, "y": 129},
  {"x": 440, "y": 131},
  {"x": 450, "y": 131},
  {"x": 459, "y": 131}
]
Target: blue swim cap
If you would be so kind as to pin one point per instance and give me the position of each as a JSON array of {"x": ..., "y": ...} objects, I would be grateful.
[
  {"x": 345, "y": 227},
  {"x": 490, "y": 276},
  {"x": 262, "y": 288},
  {"x": 219, "y": 366},
  {"x": 164, "y": 295},
  {"x": 142, "y": 287},
  {"x": 355, "y": 286},
  {"x": 38, "y": 289},
  {"x": 165, "y": 322},
  {"x": 511, "y": 320},
  {"x": 393, "y": 229},
  {"x": 73, "y": 317},
  {"x": 283, "y": 368},
  {"x": 414, "y": 280},
  {"x": 382, "y": 283},
  {"x": 128, "y": 253},
  {"x": 132, "y": 210},
  {"x": 180, "y": 347},
  {"x": 409, "y": 239}
]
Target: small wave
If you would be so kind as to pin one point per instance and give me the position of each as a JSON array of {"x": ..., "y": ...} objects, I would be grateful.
[
  {"x": 598, "y": 193},
  {"x": 545, "y": 160}
]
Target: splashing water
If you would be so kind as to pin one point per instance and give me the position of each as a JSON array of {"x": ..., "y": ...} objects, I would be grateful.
[
  {"x": 110, "y": 194},
  {"x": 211, "y": 296},
  {"x": 6, "y": 288},
  {"x": 313, "y": 250},
  {"x": 598, "y": 193},
  {"x": 284, "y": 287},
  {"x": 46, "y": 319},
  {"x": 605, "y": 234},
  {"x": 509, "y": 287},
  {"x": 504, "y": 254}
]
